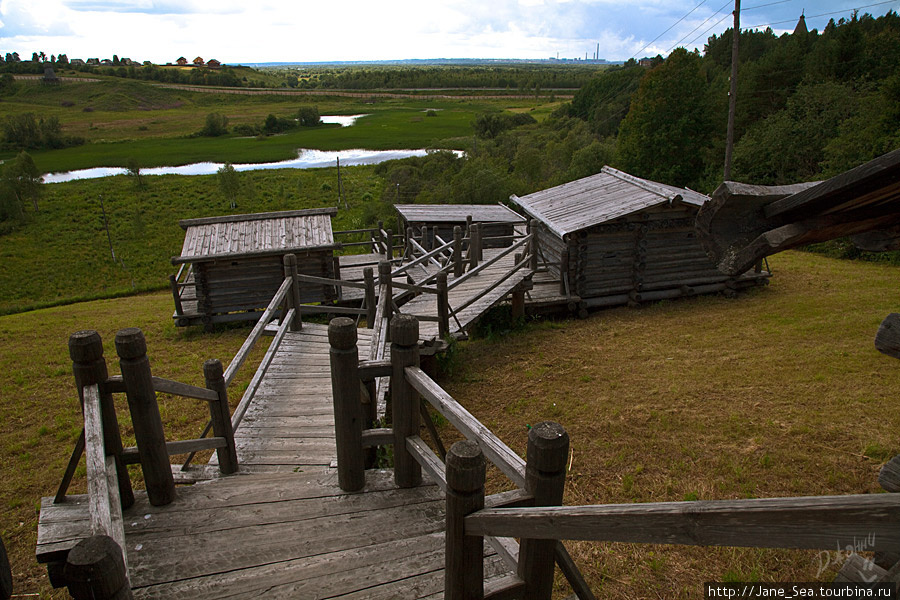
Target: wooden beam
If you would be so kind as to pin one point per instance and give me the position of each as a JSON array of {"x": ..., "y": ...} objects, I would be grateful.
[{"x": 816, "y": 522}]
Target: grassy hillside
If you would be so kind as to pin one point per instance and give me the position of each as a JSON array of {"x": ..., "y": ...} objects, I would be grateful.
[
  {"x": 778, "y": 392},
  {"x": 63, "y": 253}
]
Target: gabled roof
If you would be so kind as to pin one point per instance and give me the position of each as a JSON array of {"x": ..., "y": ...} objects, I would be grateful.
[
  {"x": 603, "y": 197},
  {"x": 258, "y": 234},
  {"x": 457, "y": 213}
]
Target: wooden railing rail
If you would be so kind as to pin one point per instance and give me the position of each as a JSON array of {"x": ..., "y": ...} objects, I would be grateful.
[
  {"x": 426, "y": 256},
  {"x": 484, "y": 264},
  {"x": 524, "y": 262},
  {"x": 811, "y": 522}
]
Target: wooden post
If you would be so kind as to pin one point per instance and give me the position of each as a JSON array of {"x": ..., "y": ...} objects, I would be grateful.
[
  {"x": 95, "y": 570},
  {"x": 220, "y": 415},
  {"x": 563, "y": 272},
  {"x": 457, "y": 251},
  {"x": 533, "y": 246},
  {"x": 473, "y": 246},
  {"x": 404, "y": 398},
  {"x": 480, "y": 239},
  {"x": 443, "y": 305},
  {"x": 463, "y": 554},
  {"x": 385, "y": 282},
  {"x": 381, "y": 244},
  {"x": 469, "y": 227},
  {"x": 409, "y": 239},
  {"x": 371, "y": 307},
  {"x": 148, "y": 428},
  {"x": 179, "y": 309},
  {"x": 545, "y": 479},
  {"x": 89, "y": 367},
  {"x": 348, "y": 415},
  {"x": 6, "y": 583},
  {"x": 290, "y": 270},
  {"x": 390, "y": 244},
  {"x": 434, "y": 238}
]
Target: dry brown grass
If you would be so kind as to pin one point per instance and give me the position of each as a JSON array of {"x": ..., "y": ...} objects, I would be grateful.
[{"x": 777, "y": 393}]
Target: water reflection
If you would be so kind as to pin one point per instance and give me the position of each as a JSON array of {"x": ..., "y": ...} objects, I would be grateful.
[{"x": 306, "y": 159}]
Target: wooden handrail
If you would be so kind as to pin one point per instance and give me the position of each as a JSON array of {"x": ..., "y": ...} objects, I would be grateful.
[
  {"x": 427, "y": 256},
  {"x": 511, "y": 464},
  {"x": 257, "y": 331},
  {"x": 105, "y": 505},
  {"x": 485, "y": 291},
  {"x": 811, "y": 522},
  {"x": 116, "y": 384},
  {"x": 242, "y": 406},
  {"x": 488, "y": 263}
]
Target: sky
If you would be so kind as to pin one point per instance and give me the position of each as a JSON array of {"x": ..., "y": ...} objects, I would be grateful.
[{"x": 241, "y": 31}]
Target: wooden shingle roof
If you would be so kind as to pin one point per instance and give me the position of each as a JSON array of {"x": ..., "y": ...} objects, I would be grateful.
[
  {"x": 456, "y": 213},
  {"x": 603, "y": 197},
  {"x": 259, "y": 234}
]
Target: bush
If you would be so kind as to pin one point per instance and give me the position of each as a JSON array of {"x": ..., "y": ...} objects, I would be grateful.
[
  {"x": 216, "y": 125},
  {"x": 308, "y": 116}
]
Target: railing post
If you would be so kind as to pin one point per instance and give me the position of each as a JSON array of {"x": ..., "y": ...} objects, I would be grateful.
[
  {"x": 463, "y": 554},
  {"x": 532, "y": 245},
  {"x": 89, "y": 367},
  {"x": 179, "y": 309},
  {"x": 389, "y": 253},
  {"x": 220, "y": 415},
  {"x": 381, "y": 236},
  {"x": 563, "y": 272},
  {"x": 443, "y": 305},
  {"x": 148, "y": 428},
  {"x": 371, "y": 307},
  {"x": 348, "y": 415},
  {"x": 385, "y": 282},
  {"x": 290, "y": 270},
  {"x": 95, "y": 570},
  {"x": 457, "y": 251},
  {"x": 409, "y": 241},
  {"x": 404, "y": 398},
  {"x": 479, "y": 237},
  {"x": 545, "y": 479},
  {"x": 434, "y": 238},
  {"x": 518, "y": 295},
  {"x": 473, "y": 246}
]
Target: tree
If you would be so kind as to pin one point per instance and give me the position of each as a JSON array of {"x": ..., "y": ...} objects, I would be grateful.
[
  {"x": 667, "y": 132},
  {"x": 22, "y": 131},
  {"x": 229, "y": 183},
  {"x": 309, "y": 116},
  {"x": 216, "y": 125},
  {"x": 133, "y": 169},
  {"x": 20, "y": 181}
]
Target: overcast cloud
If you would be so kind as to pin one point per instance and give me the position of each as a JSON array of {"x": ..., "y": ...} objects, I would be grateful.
[{"x": 235, "y": 31}]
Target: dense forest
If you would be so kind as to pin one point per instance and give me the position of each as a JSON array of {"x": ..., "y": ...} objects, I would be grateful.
[{"x": 810, "y": 105}]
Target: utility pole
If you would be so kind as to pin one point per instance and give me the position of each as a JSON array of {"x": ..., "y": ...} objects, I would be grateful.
[{"x": 732, "y": 93}]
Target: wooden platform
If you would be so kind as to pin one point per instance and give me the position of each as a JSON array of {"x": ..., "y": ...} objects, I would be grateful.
[{"x": 282, "y": 528}]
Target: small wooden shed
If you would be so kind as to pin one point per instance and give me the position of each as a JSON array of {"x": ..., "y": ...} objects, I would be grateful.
[
  {"x": 235, "y": 263},
  {"x": 498, "y": 221},
  {"x": 613, "y": 238}
]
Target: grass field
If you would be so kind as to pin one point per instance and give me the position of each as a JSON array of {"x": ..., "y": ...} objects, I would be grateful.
[
  {"x": 123, "y": 119},
  {"x": 778, "y": 392}
]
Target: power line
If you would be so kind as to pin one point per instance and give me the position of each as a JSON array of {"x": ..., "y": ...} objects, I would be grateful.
[
  {"x": 678, "y": 43},
  {"x": 836, "y": 12},
  {"x": 669, "y": 29}
]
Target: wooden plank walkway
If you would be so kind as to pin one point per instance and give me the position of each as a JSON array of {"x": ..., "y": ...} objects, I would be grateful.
[
  {"x": 282, "y": 528},
  {"x": 490, "y": 279}
]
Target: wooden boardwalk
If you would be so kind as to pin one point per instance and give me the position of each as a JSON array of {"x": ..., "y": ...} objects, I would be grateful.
[{"x": 282, "y": 528}]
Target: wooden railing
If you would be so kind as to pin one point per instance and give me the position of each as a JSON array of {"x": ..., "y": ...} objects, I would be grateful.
[{"x": 409, "y": 385}]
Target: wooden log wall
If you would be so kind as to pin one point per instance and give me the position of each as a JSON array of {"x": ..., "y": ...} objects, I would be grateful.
[
  {"x": 248, "y": 284},
  {"x": 649, "y": 251}
]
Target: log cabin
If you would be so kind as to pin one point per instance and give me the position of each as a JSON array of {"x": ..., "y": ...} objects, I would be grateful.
[
  {"x": 233, "y": 265},
  {"x": 613, "y": 238}
]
